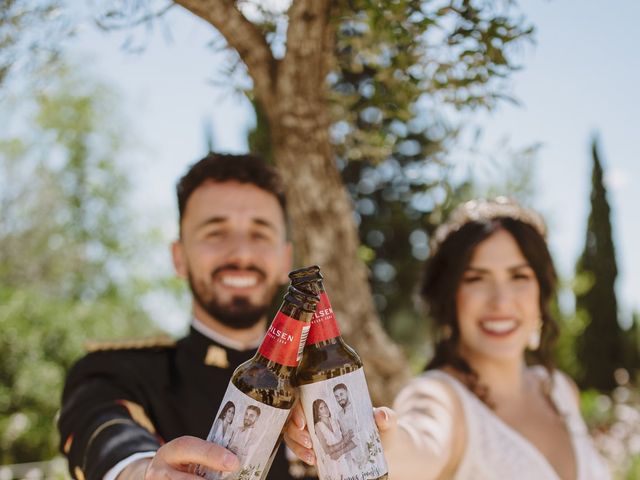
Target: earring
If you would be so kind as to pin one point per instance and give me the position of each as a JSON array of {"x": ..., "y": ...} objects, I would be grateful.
[
  {"x": 446, "y": 332},
  {"x": 534, "y": 339}
]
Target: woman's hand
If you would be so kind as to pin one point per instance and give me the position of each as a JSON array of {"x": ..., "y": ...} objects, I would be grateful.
[
  {"x": 387, "y": 422},
  {"x": 297, "y": 437}
]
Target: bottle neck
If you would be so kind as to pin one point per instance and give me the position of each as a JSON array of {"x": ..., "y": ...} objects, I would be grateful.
[
  {"x": 285, "y": 338},
  {"x": 323, "y": 325}
]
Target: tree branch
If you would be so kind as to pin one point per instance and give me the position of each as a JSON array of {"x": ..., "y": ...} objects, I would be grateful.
[
  {"x": 117, "y": 20},
  {"x": 309, "y": 48},
  {"x": 244, "y": 37}
]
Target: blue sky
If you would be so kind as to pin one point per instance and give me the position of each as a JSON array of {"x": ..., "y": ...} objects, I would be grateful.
[{"x": 580, "y": 78}]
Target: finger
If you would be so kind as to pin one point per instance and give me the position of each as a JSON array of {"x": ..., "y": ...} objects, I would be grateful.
[
  {"x": 386, "y": 419},
  {"x": 165, "y": 472},
  {"x": 186, "y": 450},
  {"x": 296, "y": 435},
  {"x": 297, "y": 416},
  {"x": 303, "y": 453}
]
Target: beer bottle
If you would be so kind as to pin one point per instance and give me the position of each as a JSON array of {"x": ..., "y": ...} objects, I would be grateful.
[
  {"x": 261, "y": 392},
  {"x": 334, "y": 395}
]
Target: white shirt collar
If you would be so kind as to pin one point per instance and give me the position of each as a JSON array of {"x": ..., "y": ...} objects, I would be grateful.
[{"x": 220, "y": 338}]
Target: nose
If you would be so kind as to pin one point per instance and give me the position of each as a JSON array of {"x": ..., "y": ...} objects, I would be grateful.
[
  {"x": 500, "y": 294},
  {"x": 240, "y": 249}
]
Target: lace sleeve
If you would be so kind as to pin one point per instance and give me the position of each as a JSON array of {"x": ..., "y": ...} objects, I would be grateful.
[{"x": 429, "y": 429}]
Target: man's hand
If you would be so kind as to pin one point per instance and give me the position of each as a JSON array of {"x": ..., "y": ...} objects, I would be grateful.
[{"x": 178, "y": 458}]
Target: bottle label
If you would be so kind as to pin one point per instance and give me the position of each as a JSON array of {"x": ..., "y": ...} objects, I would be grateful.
[
  {"x": 323, "y": 325},
  {"x": 285, "y": 340},
  {"x": 248, "y": 428},
  {"x": 343, "y": 431}
]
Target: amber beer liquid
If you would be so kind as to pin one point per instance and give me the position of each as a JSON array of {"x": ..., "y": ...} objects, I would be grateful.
[
  {"x": 261, "y": 392},
  {"x": 334, "y": 396}
]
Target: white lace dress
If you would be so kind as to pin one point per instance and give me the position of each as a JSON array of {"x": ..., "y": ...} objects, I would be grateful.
[{"x": 494, "y": 450}]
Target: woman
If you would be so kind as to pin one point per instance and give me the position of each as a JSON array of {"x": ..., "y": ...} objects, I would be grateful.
[
  {"x": 490, "y": 404},
  {"x": 222, "y": 426},
  {"x": 332, "y": 440}
]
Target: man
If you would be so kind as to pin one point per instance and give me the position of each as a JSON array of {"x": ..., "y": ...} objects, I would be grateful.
[
  {"x": 244, "y": 439},
  {"x": 134, "y": 411},
  {"x": 348, "y": 421}
]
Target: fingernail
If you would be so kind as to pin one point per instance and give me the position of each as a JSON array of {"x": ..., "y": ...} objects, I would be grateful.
[
  {"x": 229, "y": 461},
  {"x": 308, "y": 457},
  {"x": 307, "y": 442},
  {"x": 386, "y": 415},
  {"x": 300, "y": 422}
]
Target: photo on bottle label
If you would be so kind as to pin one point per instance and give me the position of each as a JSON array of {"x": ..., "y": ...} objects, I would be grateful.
[
  {"x": 343, "y": 431},
  {"x": 249, "y": 429}
]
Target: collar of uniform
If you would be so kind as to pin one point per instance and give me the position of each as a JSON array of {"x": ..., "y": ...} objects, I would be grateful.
[
  {"x": 222, "y": 339},
  {"x": 209, "y": 352}
]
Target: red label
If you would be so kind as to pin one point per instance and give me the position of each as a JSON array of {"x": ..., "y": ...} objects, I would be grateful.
[
  {"x": 323, "y": 325},
  {"x": 284, "y": 340}
]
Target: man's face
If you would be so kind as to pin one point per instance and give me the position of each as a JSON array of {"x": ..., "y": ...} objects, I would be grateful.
[
  {"x": 250, "y": 417},
  {"x": 233, "y": 250},
  {"x": 341, "y": 397}
]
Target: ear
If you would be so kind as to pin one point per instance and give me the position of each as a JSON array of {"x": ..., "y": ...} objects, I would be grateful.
[
  {"x": 287, "y": 263},
  {"x": 179, "y": 259}
]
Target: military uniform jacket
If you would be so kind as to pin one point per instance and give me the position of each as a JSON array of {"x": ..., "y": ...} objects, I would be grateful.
[{"x": 120, "y": 401}]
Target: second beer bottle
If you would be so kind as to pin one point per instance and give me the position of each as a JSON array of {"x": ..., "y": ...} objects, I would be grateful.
[
  {"x": 261, "y": 392},
  {"x": 334, "y": 395}
]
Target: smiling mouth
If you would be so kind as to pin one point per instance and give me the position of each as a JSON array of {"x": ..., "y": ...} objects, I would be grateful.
[
  {"x": 236, "y": 281},
  {"x": 498, "y": 327}
]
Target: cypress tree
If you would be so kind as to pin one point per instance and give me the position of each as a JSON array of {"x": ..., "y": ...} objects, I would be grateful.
[
  {"x": 633, "y": 346},
  {"x": 601, "y": 348}
]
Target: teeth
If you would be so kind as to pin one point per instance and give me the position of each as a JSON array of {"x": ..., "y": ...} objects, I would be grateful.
[
  {"x": 498, "y": 326},
  {"x": 239, "y": 282}
]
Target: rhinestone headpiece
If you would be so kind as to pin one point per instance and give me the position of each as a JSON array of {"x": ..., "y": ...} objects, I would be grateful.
[{"x": 486, "y": 209}]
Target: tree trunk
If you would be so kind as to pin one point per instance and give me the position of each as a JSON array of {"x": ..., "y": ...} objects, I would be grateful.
[{"x": 292, "y": 92}]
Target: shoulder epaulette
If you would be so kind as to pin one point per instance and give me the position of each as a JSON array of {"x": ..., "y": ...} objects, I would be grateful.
[{"x": 158, "y": 341}]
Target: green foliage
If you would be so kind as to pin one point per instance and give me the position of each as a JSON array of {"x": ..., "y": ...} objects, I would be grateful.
[
  {"x": 601, "y": 348},
  {"x": 31, "y": 32},
  {"x": 401, "y": 68},
  {"x": 259, "y": 138},
  {"x": 614, "y": 423},
  {"x": 571, "y": 328},
  {"x": 66, "y": 249},
  {"x": 632, "y": 353},
  {"x": 42, "y": 336}
]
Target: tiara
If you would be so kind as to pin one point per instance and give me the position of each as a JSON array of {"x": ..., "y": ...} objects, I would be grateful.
[{"x": 486, "y": 209}]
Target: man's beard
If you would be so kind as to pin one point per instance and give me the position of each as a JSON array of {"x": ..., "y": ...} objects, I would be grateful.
[{"x": 239, "y": 314}]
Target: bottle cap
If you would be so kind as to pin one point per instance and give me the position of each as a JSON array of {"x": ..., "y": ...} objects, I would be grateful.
[
  {"x": 305, "y": 300},
  {"x": 305, "y": 274}
]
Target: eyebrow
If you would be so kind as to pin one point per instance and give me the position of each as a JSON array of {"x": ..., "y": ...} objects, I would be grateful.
[
  {"x": 485, "y": 270},
  {"x": 221, "y": 219},
  {"x": 264, "y": 223},
  {"x": 211, "y": 221}
]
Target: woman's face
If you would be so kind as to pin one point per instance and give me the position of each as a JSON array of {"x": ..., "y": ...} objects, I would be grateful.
[
  {"x": 497, "y": 301},
  {"x": 323, "y": 410},
  {"x": 228, "y": 417}
]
